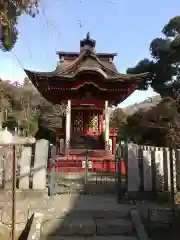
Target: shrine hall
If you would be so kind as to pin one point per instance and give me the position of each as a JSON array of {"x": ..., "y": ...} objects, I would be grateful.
[{"x": 88, "y": 83}]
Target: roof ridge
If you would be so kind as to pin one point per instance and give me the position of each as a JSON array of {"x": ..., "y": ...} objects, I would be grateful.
[
  {"x": 99, "y": 61},
  {"x": 116, "y": 74},
  {"x": 81, "y": 57},
  {"x": 74, "y": 63}
]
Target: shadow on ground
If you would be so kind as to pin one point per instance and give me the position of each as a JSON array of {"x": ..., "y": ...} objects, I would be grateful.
[{"x": 84, "y": 209}]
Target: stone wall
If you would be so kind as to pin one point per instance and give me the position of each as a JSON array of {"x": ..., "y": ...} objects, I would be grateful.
[
  {"x": 27, "y": 203},
  {"x": 31, "y": 165}
]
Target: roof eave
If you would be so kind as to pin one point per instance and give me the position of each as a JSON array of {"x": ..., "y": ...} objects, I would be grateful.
[
  {"x": 128, "y": 78},
  {"x": 118, "y": 78}
]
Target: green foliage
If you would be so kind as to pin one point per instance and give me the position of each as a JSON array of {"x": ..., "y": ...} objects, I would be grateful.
[
  {"x": 165, "y": 64},
  {"x": 29, "y": 126},
  {"x": 172, "y": 29},
  {"x": 9, "y": 37},
  {"x": 10, "y": 123},
  {"x": 10, "y": 11},
  {"x": 22, "y": 106},
  {"x": 158, "y": 126},
  {"x": 143, "y": 66}
]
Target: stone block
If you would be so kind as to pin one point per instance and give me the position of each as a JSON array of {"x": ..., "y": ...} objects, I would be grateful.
[
  {"x": 40, "y": 164},
  {"x": 1, "y": 204},
  {"x": 114, "y": 226},
  {"x": 4, "y": 232},
  {"x": 24, "y": 164},
  {"x": 161, "y": 215},
  {"x": 1, "y": 215},
  {"x": 133, "y": 168},
  {"x": 21, "y": 217},
  {"x": 8, "y": 167},
  {"x": 36, "y": 221},
  {"x": 19, "y": 227},
  {"x": 110, "y": 214}
]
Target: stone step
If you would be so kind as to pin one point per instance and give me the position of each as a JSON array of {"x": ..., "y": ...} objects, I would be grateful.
[
  {"x": 100, "y": 214},
  {"x": 94, "y": 214},
  {"x": 85, "y": 226},
  {"x": 114, "y": 227},
  {"x": 110, "y": 237},
  {"x": 86, "y": 203}
]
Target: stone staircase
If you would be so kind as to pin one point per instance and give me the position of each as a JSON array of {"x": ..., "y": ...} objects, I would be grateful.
[
  {"x": 90, "y": 218},
  {"x": 101, "y": 183}
]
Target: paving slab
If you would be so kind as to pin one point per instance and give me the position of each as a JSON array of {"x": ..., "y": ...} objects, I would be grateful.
[
  {"x": 114, "y": 226},
  {"x": 69, "y": 227},
  {"x": 97, "y": 207}
]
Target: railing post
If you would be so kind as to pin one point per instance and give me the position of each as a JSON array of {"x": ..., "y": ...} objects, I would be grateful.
[
  {"x": 141, "y": 172},
  {"x": 119, "y": 177},
  {"x": 126, "y": 160},
  {"x": 52, "y": 186},
  {"x": 14, "y": 193},
  {"x": 172, "y": 181},
  {"x": 86, "y": 167}
]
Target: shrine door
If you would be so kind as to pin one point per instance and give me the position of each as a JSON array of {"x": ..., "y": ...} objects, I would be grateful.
[{"x": 85, "y": 121}]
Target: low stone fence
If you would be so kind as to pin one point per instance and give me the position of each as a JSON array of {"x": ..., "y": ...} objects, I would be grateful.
[
  {"x": 31, "y": 165},
  {"x": 149, "y": 168},
  {"x": 152, "y": 169},
  {"x": 23, "y": 166}
]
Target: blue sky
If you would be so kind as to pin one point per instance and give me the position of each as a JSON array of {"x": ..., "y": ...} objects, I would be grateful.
[{"x": 123, "y": 26}]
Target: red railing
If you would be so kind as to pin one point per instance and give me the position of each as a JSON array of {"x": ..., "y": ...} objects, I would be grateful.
[{"x": 95, "y": 166}]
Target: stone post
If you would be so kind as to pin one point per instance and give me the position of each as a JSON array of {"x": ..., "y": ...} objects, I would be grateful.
[
  {"x": 68, "y": 125},
  {"x": 8, "y": 167},
  {"x": 24, "y": 167},
  {"x": 106, "y": 125},
  {"x": 61, "y": 146},
  {"x": 40, "y": 164}
]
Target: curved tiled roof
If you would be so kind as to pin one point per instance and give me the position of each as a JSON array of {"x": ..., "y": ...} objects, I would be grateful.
[{"x": 86, "y": 61}]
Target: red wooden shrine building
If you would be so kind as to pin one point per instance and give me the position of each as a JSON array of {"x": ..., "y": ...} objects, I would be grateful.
[{"x": 88, "y": 83}]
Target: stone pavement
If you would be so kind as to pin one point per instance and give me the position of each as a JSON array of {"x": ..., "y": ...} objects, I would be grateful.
[
  {"x": 100, "y": 206},
  {"x": 98, "y": 214},
  {"x": 67, "y": 207},
  {"x": 86, "y": 216},
  {"x": 74, "y": 214}
]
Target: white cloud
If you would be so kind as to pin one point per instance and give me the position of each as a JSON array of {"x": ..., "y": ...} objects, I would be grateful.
[
  {"x": 11, "y": 70},
  {"x": 12, "y": 78}
]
